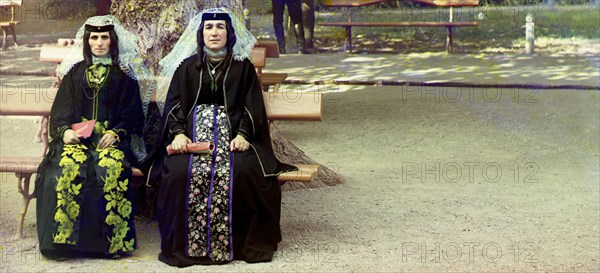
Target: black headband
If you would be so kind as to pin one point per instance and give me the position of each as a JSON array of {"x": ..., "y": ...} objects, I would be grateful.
[
  {"x": 99, "y": 29},
  {"x": 216, "y": 16}
]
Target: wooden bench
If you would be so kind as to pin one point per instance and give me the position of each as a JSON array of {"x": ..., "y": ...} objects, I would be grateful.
[
  {"x": 438, "y": 3},
  {"x": 259, "y": 61},
  {"x": 8, "y": 22},
  {"x": 270, "y": 78},
  {"x": 278, "y": 106}
]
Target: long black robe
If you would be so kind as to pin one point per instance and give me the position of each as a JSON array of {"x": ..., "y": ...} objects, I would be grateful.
[
  {"x": 97, "y": 228},
  {"x": 256, "y": 197}
]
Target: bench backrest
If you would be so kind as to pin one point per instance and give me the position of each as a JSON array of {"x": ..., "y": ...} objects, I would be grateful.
[
  {"x": 259, "y": 61},
  {"x": 65, "y": 41},
  {"x": 271, "y": 46},
  {"x": 440, "y": 3},
  {"x": 350, "y": 3},
  {"x": 450, "y": 3},
  {"x": 279, "y": 106},
  {"x": 9, "y": 6},
  {"x": 22, "y": 104},
  {"x": 54, "y": 53}
]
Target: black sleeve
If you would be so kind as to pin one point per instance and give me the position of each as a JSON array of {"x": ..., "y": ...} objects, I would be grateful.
[
  {"x": 175, "y": 117},
  {"x": 176, "y": 121},
  {"x": 255, "y": 114},
  {"x": 131, "y": 115},
  {"x": 246, "y": 129},
  {"x": 63, "y": 111}
]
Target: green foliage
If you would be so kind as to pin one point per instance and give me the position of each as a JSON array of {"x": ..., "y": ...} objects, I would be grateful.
[
  {"x": 260, "y": 7},
  {"x": 146, "y": 9},
  {"x": 70, "y": 10}
]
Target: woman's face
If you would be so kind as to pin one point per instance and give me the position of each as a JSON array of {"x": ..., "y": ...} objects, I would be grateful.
[
  {"x": 99, "y": 43},
  {"x": 215, "y": 34}
]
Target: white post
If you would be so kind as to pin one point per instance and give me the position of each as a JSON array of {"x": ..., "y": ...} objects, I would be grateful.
[{"x": 529, "y": 34}]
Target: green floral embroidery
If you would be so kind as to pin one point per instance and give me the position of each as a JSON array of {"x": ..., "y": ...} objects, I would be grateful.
[
  {"x": 96, "y": 75},
  {"x": 100, "y": 127},
  {"x": 67, "y": 209},
  {"x": 119, "y": 208}
]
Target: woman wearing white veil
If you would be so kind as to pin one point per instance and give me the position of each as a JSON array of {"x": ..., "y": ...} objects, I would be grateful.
[
  {"x": 84, "y": 205},
  {"x": 221, "y": 206}
]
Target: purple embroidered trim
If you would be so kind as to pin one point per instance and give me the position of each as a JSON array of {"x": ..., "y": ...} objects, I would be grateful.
[
  {"x": 212, "y": 177},
  {"x": 187, "y": 202},
  {"x": 231, "y": 204},
  {"x": 194, "y": 124},
  {"x": 187, "y": 189}
]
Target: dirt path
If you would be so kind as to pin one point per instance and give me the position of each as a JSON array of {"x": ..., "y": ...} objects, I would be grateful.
[{"x": 392, "y": 215}]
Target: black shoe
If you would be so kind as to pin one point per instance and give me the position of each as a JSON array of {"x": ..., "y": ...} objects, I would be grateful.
[
  {"x": 282, "y": 50},
  {"x": 302, "y": 51}
]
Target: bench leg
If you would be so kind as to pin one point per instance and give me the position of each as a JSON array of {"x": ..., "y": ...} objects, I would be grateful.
[
  {"x": 449, "y": 41},
  {"x": 23, "y": 187},
  {"x": 44, "y": 134},
  {"x": 348, "y": 45},
  {"x": 3, "y": 38},
  {"x": 13, "y": 32},
  {"x": 265, "y": 87}
]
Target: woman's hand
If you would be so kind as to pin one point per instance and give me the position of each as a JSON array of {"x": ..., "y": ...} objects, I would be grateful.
[
  {"x": 106, "y": 141},
  {"x": 70, "y": 137},
  {"x": 179, "y": 143},
  {"x": 239, "y": 143}
]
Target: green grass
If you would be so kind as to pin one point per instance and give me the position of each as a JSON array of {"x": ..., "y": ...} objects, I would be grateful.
[
  {"x": 569, "y": 23},
  {"x": 502, "y": 27}
]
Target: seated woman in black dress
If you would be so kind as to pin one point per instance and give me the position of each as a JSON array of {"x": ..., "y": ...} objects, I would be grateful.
[
  {"x": 84, "y": 204},
  {"x": 224, "y": 205}
]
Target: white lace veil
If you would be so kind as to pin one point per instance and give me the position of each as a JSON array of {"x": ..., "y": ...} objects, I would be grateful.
[
  {"x": 187, "y": 46},
  {"x": 129, "y": 59}
]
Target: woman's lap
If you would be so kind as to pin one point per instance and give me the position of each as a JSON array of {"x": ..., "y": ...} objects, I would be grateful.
[
  {"x": 91, "y": 239},
  {"x": 256, "y": 204}
]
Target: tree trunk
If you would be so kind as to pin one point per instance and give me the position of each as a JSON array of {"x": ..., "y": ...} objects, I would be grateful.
[
  {"x": 159, "y": 24},
  {"x": 102, "y": 7},
  {"x": 287, "y": 152}
]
